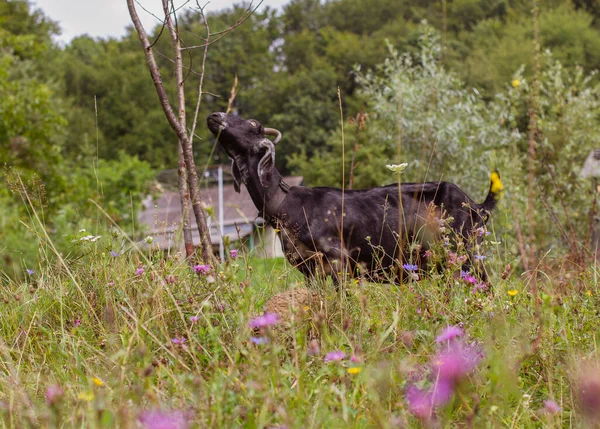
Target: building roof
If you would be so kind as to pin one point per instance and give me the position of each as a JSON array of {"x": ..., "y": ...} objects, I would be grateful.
[{"x": 162, "y": 216}]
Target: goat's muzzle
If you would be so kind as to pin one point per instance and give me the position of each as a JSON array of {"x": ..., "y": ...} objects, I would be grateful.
[{"x": 273, "y": 132}]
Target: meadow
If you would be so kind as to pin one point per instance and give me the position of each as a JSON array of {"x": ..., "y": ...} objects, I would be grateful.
[{"x": 119, "y": 337}]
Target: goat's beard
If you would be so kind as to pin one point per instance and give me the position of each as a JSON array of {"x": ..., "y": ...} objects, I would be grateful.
[{"x": 242, "y": 168}]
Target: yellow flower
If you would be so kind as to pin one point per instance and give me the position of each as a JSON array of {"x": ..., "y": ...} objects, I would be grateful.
[
  {"x": 86, "y": 396},
  {"x": 98, "y": 382},
  {"x": 354, "y": 370},
  {"x": 589, "y": 293},
  {"x": 306, "y": 308},
  {"x": 513, "y": 292},
  {"x": 516, "y": 83}
]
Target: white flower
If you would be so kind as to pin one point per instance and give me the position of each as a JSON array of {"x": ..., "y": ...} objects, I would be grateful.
[
  {"x": 149, "y": 239},
  {"x": 82, "y": 230},
  {"x": 397, "y": 167},
  {"x": 86, "y": 238},
  {"x": 96, "y": 238}
]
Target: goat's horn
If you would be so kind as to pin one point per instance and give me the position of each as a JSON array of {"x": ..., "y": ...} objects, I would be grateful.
[{"x": 273, "y": 132}]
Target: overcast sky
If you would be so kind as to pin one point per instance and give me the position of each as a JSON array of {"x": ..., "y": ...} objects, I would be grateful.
[{"x": 103, "y": 18}]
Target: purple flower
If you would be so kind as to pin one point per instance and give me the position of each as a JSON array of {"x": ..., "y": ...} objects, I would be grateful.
[
  {"x": 233, "y": 253},
  {"x": 30, "y": 272},
  {"x": 113, "y": 254},
  {"x": 449, "y": 333},
  {"x": 139, "y": 271},
  {"x": 336, "y": 355},
  {"x": 259, "y": 340},
  {"x": 313, "y": 348},
  {"x": 455, "y": 362},
  {"x": 263, "y": 321},
  {"x": 480, "y": 257},
  {"x": 163, "y": 420},
  {"x": 466, "y": 276},
  {"x": 420, "y": 402},
  {"x": 410, "y": 267},
  {"x": 201, "y": 269},
  {"x": 76, "y": 323},
  {"x": 551, "y": 407},
  {"x": 53, "y": 394},
  {"x": 479, "y": 286},
  {"x": 178, "y": 341},
  {"x": 194, "y": 319}
]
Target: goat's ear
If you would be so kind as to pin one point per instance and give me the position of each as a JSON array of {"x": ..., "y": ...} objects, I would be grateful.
[
  {"x": 237, "y": 176},
  {"x": 267, "y": 163}
]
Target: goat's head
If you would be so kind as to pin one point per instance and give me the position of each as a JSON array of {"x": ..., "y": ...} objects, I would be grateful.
[{"x": 244, "y": 140}]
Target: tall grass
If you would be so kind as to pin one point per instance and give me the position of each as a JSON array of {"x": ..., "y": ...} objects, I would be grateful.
[{"x": 111, "y": 339}]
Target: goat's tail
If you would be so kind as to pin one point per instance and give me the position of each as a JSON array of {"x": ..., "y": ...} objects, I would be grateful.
[{"x": 494, "y": 193}]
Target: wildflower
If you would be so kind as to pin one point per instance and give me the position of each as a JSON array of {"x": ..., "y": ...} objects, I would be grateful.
[
  {"x": 551, "y": 407},
  {"x": 30, "y": 272},
  {"x": 139, "y": 271},
  {"x": 396, "y": 168},
  {"x": 455, "y": 362},
  {"x": 354, "y": 370},
  {"x": 449, "y": 334},
  {"x": 53, "y": 394},
  {"x": 466, "y": 276},
  {"x": 194, "y": 319},
  {"x": 427, "y": 254},
  {"x": 313, "y": 348},
  {"x": 516, "y": 83},
  {"x": 589, "y": 396},
  {"x": 263, "y": 321},
  {"x": 110, "y": 283},
  {"x": 410, "y": 267},
  {"x": 259, "y": 340},
  {"x": 149, "y": 239},
  {"x": 480, "y": 257},
  {"x": 512, "y": 292},
  {"x": 233, "y": 253},
  {"x": 82, "y": 230},
  {"x": 478, "y": 287},
  {"x": 201, "y": 269},
  {"x": 419, "y": 402},
  {"x": 355, "y": 359},
  {"x": 86, "y": 396},
  {"x": 96, "y": 238},
  {"x": 163, "y": 420},
  {"x": 589, "y": 293},
  {"x": 98, "y": 382},
  {"x": 178, "y": 341},
  {"x": 336, "y": 355},
  {"x": 113, "y": 254},
  {"x": 76, "y": 323}
]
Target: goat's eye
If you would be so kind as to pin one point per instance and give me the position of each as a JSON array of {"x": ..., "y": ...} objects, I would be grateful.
[{"x": 253, "y": 123}]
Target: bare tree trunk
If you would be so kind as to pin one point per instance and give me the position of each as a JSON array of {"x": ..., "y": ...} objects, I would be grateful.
[
  {"x": 182, "y": 178},
  {"x": 192, "y": 175}
]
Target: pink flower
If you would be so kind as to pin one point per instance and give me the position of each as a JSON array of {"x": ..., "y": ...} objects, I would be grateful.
[
  {"x": 551, "y": 407},
  {"x": 76, "y": 323},
  {"x": 233, "y": 253},
  {"x": 139, "y": 271},
  {"x": 194, "y": 319},
  {"x": 449, "y": 334},
  {"x": 163, "y": 420},
  {"x": 427, "y": 254},
  {"x": 468, "y": 277},
  {"x": 336, "y": 355},
  {"x": 202, "y": 269},
  {"x": 178, "y": 341},
  {"x": 455, "y": 362},
  {"x": 263, "y": 321},
  {"x": 53, "y": 394}
]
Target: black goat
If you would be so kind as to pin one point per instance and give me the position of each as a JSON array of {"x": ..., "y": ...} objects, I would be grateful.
[{"x": 378, "y": 224}]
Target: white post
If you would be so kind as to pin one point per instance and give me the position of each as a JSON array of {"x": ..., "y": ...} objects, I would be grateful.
[{"x": 221, "y": 214}]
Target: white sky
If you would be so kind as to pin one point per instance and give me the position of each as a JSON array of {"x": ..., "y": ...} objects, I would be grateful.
[{"x": 104, "y": 18}]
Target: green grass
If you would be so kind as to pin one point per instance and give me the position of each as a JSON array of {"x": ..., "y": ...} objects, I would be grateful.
[{"x": 218, "y": 378}]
